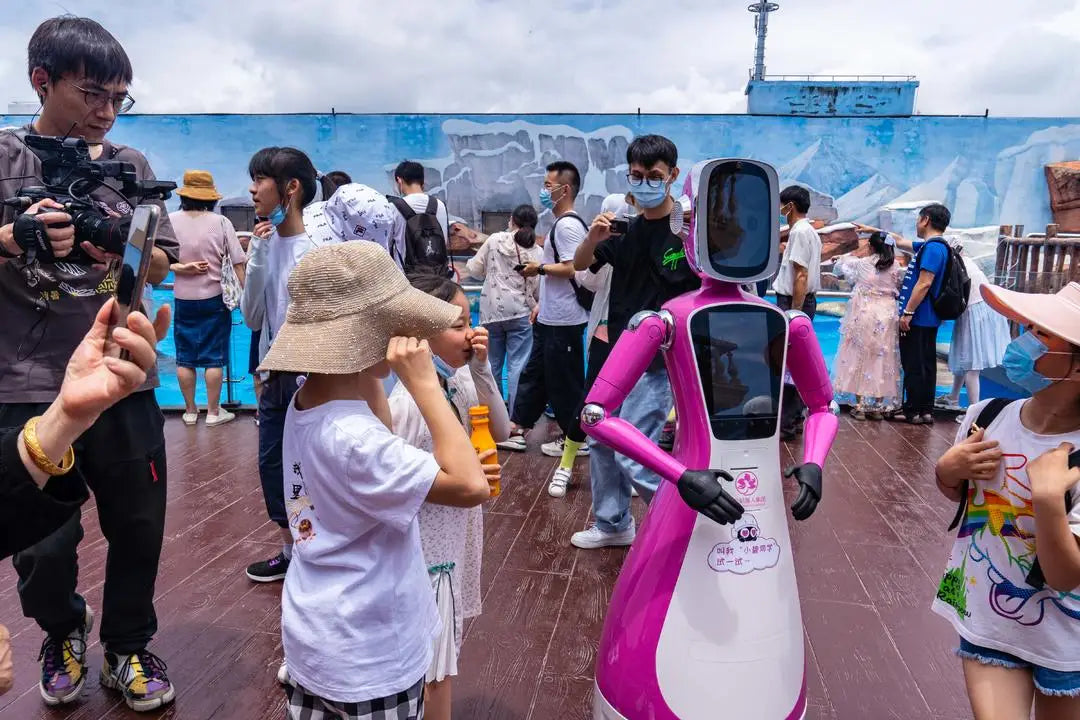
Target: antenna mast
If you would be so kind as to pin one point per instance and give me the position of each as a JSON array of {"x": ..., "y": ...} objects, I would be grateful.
[{"x": 761, "y": 12}]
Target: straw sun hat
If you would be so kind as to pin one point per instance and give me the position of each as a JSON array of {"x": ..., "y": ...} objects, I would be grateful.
[
  {"x": 199, "y": 185},
  {"x": 348, "y": 300},
  {"x": 1056, "y": 314}
]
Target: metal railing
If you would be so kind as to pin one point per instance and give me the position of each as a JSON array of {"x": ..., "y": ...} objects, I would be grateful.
[{"x": 837, "y": 78}]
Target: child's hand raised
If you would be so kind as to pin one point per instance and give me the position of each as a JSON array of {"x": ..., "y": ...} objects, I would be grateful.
[
  {"x": 410, "y": 359},
  {"x": 1051, "y": 476},
  {"x": 973, "y": 458},
  {"x": 479, "y": 343}
]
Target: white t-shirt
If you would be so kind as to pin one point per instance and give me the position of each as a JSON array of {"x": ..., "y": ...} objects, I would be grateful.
[
  {"x": 803, "y": 247},
  {"x": 283, "y": 255},
  {"x": 978, "y": 279},
  {"x": 558, "y": 303},
  {"x": 983, "y": 591},
  {"x": 357, "y": 613},
  {"x": 418, "y": 202}
]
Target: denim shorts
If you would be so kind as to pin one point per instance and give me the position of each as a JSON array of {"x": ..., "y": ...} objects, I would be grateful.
[{"x": 1047, "y": 682}]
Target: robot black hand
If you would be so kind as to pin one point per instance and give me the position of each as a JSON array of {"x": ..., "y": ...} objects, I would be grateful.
[
  {"x": 809, "y": 477},
  {"x": 702, "y": 490}
]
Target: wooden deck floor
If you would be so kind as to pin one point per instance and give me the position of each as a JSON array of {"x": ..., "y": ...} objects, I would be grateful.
[{"x": 867, "y": 563}]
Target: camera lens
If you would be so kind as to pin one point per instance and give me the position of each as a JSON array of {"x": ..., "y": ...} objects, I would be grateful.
[{"x": 108, "y": 233}]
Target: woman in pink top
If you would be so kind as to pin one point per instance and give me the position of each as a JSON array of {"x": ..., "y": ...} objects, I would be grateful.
[{"x": 203, "y": 322}]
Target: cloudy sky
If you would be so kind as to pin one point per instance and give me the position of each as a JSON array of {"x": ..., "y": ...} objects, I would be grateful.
[{"x": 1013, "y": 57}]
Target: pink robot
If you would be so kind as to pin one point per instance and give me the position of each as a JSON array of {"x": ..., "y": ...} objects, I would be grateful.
[{"x": 704, "y": 622}]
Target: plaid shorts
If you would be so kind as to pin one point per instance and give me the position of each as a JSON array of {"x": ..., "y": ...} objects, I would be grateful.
[{"x": 405, "y": 705}]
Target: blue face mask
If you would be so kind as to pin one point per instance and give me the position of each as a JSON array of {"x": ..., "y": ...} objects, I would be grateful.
[
  {"x": 277, "y": 215},
  {"x": 783, "y": 220},
  {"x": 445, "y": 371},
  {"x": 545, "y": 199},
  {"x": 649, "y": 197},
  {"x": 1019, "y": 363}
]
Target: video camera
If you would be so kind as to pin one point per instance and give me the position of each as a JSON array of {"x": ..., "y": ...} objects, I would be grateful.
[{"x": 69, "y": 176}]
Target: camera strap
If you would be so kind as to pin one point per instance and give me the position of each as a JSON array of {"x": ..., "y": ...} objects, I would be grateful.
[{"x": 29, "y": 234}]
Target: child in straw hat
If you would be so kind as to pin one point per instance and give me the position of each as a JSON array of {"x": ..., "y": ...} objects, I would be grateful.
[
  {"x": 1011, "y": 585},
  {"x": 358, "y": 618}
]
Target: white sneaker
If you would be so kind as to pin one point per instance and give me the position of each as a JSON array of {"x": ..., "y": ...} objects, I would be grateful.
[
  {"x": 555, "y": 448},
  {"x": 283, "y": 675},
  {"x": 223, "y": 416},
  {"x": 190, "y": 418},
  {"x": 594, "y": 538},
  {"x": 516, "y": 442},
  {"x": 633, "y": 491},
  {"x": 559, "y": 481}
]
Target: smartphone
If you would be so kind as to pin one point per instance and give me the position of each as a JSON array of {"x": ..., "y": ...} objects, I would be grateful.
[
  {"x": 135, "y": 265},
  {"x": 619, "y": 226},
  {"x": 519, "y": 268}
]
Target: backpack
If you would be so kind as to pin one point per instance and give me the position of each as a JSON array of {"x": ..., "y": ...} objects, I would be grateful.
[
  {"x": 952, "y": 298},
  {"x": 584, "y": 297},
  {"x": 425, "y": 243},
  {"x": 1035, "y": 577}
]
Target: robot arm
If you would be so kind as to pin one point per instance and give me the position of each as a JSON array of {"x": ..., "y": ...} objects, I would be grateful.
[
  {"x": 635, "y": 349},
  {"x": 811, "y": 377}
]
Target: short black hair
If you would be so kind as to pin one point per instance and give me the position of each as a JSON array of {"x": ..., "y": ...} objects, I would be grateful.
[
  {"x": 76, "y": 45},
  {"x": 938, "y": 215},
  {"x": 187, "y": 203},
  {"x": 647, "y": 150},
  {"x": 339, "y": 177},
  {"x": 798, "y": 196},
  {"x": 409, "y": 171},
  {"x": 436, "y": 285},
  {"x": 568, "y": 174}
]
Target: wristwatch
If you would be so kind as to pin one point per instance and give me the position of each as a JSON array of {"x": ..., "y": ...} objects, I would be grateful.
[{"x": 541, "y": 271}]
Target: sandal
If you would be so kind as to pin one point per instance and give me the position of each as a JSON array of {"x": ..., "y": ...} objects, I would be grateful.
[
  {"x": 874, "y": 415},
  {"x": 858, "y": 413}
]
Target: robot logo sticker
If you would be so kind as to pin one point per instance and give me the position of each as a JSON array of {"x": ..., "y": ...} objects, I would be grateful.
[
  {"x": 747, "y": 551},
  {"x": 747, "y": 485}
]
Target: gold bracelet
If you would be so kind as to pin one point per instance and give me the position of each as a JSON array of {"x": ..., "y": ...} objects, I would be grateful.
[{"x": 47, "y": 466}]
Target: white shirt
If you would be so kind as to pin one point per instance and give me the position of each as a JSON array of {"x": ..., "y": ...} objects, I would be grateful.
[
  {"x": 265, "y": 299},
  {"x": 804, "y": 248},
  {"x": 357, "y": 613},
  {"x": 418, "y": 202},
  {"x": 558, "y": 303},
  {"x": 993, "y": 551},
  {"x": 978, "y": 279}
]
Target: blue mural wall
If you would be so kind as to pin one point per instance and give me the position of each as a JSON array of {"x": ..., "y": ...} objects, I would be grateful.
[
  {"x": 987, "y": 170},
  {"x": 826, "y": 97}
]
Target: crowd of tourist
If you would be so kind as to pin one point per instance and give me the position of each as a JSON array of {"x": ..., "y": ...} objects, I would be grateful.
[{"x": 372, "y": 374}]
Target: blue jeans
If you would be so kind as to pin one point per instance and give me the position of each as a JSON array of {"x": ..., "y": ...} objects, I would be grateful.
[
  {"x": 274, "y": 402},
  {"x": 1047, "y": 681},
  {"x": 646, "y": 408},
  {"x": 510, "y": 342}
]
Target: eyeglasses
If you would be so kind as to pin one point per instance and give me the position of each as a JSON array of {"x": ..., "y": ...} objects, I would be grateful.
[
  {"x": 637, "y": 180},
  {"x": 97, "y": 99}
]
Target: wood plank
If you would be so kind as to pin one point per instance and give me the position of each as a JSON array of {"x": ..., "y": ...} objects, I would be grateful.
[{"x": 544, "y": 542}]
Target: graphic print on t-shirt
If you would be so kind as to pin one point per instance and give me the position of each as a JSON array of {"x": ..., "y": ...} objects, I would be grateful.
[
  {"x": 1001, "y": 519},
  {"x": 299, "y": 508}
]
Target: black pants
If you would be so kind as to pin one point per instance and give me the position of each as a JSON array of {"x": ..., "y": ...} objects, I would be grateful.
[
  {"x": 918, "y": 357},
  {"x": 793, "y": 406},
  {"x": 598, "y": 355},
  {"x": 274, "y": 401},
  {"x": 122, "y": 458},
  {"x": 555, "y": 374}
]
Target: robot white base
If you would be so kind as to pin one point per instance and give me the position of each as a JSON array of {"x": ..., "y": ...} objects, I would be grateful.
[{"x": 602, "y": 709}]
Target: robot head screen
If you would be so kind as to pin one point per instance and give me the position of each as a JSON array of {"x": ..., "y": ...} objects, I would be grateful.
[{"x": 734, "y": 236}]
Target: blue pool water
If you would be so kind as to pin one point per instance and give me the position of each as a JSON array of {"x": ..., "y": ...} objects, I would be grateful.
[{"x": 243, "y": 392}]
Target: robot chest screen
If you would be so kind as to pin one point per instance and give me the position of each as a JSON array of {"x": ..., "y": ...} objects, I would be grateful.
[{"x": 739, "y": 352}]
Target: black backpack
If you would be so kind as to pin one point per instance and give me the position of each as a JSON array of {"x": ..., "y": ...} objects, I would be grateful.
[
  {"x": 1035, "y": 577},
  {"x": 584, "y": 297},
  {"x": 952, "y": 299},
  {"x": 425, "y": 244}
]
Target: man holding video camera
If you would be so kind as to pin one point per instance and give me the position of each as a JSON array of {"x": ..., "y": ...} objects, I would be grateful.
[{"x": 53, "y": 282}]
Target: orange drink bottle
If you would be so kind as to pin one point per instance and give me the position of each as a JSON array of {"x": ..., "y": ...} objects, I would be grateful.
[{"x": 482, "y": 440}]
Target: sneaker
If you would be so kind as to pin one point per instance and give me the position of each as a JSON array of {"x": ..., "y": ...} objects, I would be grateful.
[
  {"x": 594, "y": 538},
  {"x": 270, "y": 570},
  {"x": 283, "y": 675},
  {"x": 223, "y": 416},
  {"x": 63, "y": 664},
  {"x": 559, "y": 480},
  {"x": 944, "y": 402},
  {"x": 140, "y": 677},
  {"x": 516, "y": 442},
  {"x": 190, "y": 418},
  {"x": 555, "y": 448},
  {"x": 633, "y": 491},
  {"x": 549, "y": 412}
]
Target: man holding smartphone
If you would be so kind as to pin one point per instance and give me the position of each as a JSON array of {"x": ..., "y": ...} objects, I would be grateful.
[{"x": 81, "y": 74}]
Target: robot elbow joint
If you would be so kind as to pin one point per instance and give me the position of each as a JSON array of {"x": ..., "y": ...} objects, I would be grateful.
[{"x": 592, "y": 414}]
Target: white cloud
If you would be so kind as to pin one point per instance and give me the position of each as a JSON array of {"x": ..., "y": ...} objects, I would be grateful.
[{"x": 513, "y": 56}]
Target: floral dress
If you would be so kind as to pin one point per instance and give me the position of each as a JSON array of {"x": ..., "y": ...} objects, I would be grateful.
[
  {"x": 452, "y": 538},
  {"x": 868, "y": 361}
]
